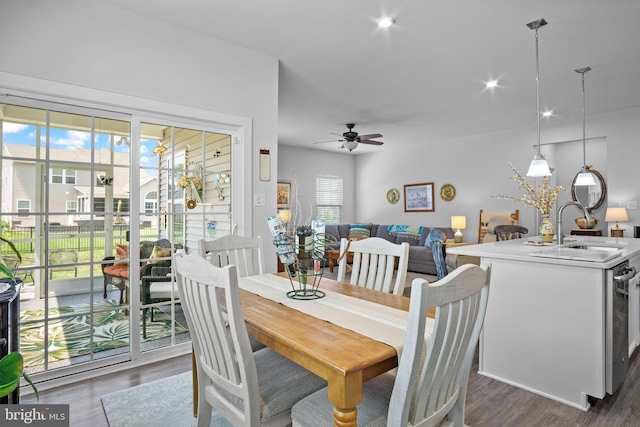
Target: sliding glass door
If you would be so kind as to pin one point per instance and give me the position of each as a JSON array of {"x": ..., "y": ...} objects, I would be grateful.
[{"x": 97, "y": 202}]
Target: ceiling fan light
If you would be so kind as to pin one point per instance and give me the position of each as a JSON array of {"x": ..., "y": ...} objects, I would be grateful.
[
  {"x": 539, "y": 167},
  {"x": 585, "y": 177},
  {"x": 350, "y": 145}
]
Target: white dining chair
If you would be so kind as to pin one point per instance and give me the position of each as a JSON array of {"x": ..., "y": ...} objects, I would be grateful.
[
  {"x": 376, "y": 262},
  {"x": 247, "y": 388},
  {"x": 428, "y": 389},
  {"x": 239, "y": 251},
  {"x": 233, "y": 249}
]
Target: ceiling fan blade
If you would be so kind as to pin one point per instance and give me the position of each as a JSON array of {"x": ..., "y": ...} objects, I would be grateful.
[
  {"x": 368, "y": 141},
  {"x": 330, "y": 140},
  {"x": 370, "y": 136}
]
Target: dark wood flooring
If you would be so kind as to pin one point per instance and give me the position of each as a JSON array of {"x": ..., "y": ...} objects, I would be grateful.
[{"x": 489, "y": 402}]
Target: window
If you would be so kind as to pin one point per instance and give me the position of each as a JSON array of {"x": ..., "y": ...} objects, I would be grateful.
[
  {"x": 63, "y": 176},
  {"x": 72, "y": 206},
  {"x": 151, "y": 202},
  {"x": 24, "y": 207},
  {"x": 329, "y": 199}
]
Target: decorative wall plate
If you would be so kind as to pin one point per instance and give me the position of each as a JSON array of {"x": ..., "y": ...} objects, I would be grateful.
[
  {"x": 447, "y": 192},
  {"x": 393, "y": 196}
]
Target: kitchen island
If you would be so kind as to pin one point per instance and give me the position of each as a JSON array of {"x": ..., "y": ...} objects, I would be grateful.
[{"x": 549, "y": 317}]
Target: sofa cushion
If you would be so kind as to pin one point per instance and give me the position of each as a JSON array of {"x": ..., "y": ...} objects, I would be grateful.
[
  {"x": 383, "y": 232},
  {"x": 117, "y": 270},
  {"x": 158, "y": 253},
  {"x": 359, "y": 231}
]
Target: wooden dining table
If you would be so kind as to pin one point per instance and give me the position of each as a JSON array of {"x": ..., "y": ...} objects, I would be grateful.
[{"x": 344, "y": 358}]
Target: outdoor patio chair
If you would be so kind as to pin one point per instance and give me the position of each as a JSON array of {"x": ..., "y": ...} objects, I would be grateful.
[{"x": 428, "y": 388}]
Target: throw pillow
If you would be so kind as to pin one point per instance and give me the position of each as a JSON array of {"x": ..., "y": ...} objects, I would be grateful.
[
  {"x": 359, "y": 231},
  {"x": 157, "y": 253},
  {"x": 122, "y": 252}
]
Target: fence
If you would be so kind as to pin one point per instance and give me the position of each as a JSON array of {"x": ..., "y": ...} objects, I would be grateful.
[{"x": 73, "y": 237}]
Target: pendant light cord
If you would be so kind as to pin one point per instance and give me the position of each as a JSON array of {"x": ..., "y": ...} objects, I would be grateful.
[
  {"x": 584, "y": 126},
  {"x": 538, "y": 90}
]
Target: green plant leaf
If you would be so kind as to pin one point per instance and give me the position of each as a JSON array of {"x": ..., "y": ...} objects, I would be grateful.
[
  {"x": 13, "y": 247},
  {"x": 10, "y": 373}
]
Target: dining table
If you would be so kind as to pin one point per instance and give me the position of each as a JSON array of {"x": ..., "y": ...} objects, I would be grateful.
[{"x": 341, "y": 355}]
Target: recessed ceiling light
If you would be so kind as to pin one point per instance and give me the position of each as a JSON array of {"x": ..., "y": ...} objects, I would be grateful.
[
  {"x": 491, "y": 84},
  {"x": 386, "y": 22},
  {"x": 547, "y": 113}
]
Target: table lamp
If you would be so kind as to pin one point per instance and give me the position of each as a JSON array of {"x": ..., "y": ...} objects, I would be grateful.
[
  {"x": 459, "y": 222},
  {"x": 616, "y": 214},
  {"x": 285, "y": 216}
]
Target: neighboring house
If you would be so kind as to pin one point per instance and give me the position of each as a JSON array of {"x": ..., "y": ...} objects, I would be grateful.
[{"x": 70, "y": 191}]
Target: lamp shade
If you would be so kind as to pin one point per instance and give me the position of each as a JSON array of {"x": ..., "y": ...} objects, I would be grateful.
[
  {"x": 585, "y": 178},
  {"x": 285, "y": 215},
  {"x": 350, "y": 145},
  {"x": 617, "y": 215},
  {"x": 459, "y": 221},
  {"x": 539, "y": 167}
]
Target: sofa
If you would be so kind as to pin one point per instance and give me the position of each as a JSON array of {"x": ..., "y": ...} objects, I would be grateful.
[
  {"x": 116, "y": 272},
  {"x": 420, "y": 256}
]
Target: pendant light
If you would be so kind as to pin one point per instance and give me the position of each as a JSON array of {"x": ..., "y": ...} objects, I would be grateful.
[
  {"x": 584, "y": 176},
  {"x": 539, "y": 166}
]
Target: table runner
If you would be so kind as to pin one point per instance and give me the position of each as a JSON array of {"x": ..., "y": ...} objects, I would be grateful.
[{"x": 377, "y": 321}]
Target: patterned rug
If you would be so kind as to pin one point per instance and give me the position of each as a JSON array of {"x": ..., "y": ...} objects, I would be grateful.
[
  {"x": 140, "y": 406},
  {"x": 69, "y": 337}
]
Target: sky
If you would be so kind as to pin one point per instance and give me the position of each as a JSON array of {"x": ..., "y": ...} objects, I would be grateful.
[{"x": 14, "y": 133}]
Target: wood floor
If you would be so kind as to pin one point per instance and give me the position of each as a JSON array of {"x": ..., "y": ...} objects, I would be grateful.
[{"x": 490, "y": 403}]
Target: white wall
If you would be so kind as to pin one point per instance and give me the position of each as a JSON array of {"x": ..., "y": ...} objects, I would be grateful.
[
  {"x": 93, "y": 46},
  {"x": 477, "y": 167},
  {"x": 303, "y": 165}
]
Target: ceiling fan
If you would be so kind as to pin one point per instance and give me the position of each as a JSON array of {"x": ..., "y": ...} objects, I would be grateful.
[{"x": 350, "y": 139}]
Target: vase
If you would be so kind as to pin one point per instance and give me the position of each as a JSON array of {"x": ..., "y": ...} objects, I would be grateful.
[{"x": 546, "y": 229}]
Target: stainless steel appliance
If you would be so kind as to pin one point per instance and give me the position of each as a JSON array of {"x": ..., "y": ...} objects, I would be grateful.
[{"x": 617, "y": 324}]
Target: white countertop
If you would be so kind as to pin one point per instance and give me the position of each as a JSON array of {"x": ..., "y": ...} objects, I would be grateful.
[{"x": 520, "y": 250}]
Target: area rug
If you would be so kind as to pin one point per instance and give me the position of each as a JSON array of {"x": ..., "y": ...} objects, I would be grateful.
[
  {"x": 165, "y": 402},
  {"x": 69, "y": 337}
]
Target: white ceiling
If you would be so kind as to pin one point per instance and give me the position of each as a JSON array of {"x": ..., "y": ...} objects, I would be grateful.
[{"x": 422, "y": 80}]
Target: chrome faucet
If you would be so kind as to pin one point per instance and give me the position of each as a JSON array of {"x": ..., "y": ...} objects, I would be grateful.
[{"x": 559, "y": 217}]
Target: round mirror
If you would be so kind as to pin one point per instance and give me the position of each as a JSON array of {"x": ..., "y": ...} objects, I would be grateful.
[{"x": 590, "y": 196}]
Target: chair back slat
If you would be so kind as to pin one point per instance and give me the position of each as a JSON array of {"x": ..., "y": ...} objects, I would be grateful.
[
  {"x": 376, "y": 263},
  {"x": 236, "y": 250},
  {"x": 431, "y": 386},
  {"x": 225, "y": 365}
]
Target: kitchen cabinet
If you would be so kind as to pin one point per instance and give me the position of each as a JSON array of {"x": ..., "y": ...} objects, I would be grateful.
[{"x": 545, "y": 328}]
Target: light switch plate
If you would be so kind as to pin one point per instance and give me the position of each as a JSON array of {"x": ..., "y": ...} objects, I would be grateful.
[{"x": 259, "y": 200}]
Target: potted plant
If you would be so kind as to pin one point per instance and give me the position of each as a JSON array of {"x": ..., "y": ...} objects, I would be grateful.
[{"x": 12, "y": 365}]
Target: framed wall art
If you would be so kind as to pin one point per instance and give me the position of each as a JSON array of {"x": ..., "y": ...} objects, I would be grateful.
[
  {"x": 284, "y": 195},
  {"x": 418, "y": 197}
]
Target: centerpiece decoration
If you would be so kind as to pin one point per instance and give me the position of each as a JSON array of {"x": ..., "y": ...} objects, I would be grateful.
[
  {"x": 542, "y": 198},
  {"x": 301, "y": 248},
  {"x": 302, "y": 252},
  {"x": 191, "y": 185}
]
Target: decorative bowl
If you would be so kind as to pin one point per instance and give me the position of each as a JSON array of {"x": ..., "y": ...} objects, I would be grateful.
[{"x": 583, "y": 224}]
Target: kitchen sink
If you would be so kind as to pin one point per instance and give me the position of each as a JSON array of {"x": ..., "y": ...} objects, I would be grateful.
[{"x": 581, "y": 251}]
